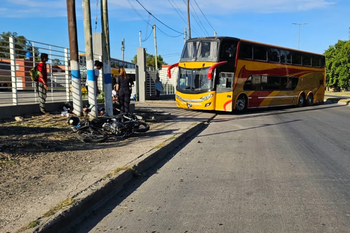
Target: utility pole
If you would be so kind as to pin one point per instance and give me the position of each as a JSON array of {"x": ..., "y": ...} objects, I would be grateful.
[
  {"x": 299, "y": 24},
  {"x": 215, "y": 33},
  {"x": 123, "y": 48},
  {"x": 74, "y": 58},
  {"x": 107, "y": 78},
  {"x": 91, "y": 79},
  {"x": 188, "y": 19},
  {"x": 140, "y": 38},
  {"x": 185, "y": 35},
  {"x": 155, "y": 45}
]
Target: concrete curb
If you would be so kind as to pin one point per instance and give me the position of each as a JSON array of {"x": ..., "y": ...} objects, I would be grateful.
[
  {"x": 102, "y": 190},
  {"x": 337, "y": 101}
]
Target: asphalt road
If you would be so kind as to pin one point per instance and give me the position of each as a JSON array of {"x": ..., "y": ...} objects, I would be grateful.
[{"x": 278, "y": 170}]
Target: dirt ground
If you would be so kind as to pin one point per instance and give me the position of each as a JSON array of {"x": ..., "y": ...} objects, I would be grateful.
[{"x": 34, "y": 154}]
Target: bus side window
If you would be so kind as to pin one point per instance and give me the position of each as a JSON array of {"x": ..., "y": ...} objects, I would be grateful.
[
  {"x": 259, "y": 53},
  {"x": 273, "y": 55},
  {"x": 246, "y": 51},
  {"x": 306, "y": 60},
  {"x": 296, "y": 58},
  {"x": 286, "y": 57},
  {"x": 248, "y": 85},
  {"x": 273, "y": 83}
]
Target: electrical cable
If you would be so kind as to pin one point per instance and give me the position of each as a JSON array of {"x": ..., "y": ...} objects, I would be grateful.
[
  {"x": 195, "y": 16},
  {"x": 157, "y": 18},
  {"x": 204, "y": 15}
]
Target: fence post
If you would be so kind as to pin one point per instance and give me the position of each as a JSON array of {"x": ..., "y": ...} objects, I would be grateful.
[
  {"x": 66, "y": 74},
  {"x": 13, "y": 71}
]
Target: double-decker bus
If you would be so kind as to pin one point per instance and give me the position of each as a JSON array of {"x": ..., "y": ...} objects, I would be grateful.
[{"x": 226, "y": 74}]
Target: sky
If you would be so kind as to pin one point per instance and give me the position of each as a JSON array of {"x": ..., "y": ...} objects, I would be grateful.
[{"x": 265, "y": 21}]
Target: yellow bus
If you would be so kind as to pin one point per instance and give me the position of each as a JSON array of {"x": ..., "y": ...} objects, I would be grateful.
[{"x": 226, "y": 74}]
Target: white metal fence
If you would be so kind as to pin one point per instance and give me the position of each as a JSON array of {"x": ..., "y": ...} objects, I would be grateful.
[{"x": 17, "y": 57}]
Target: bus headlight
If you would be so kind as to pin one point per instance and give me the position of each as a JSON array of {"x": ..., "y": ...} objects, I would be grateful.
[
  {"x": 207, "y": 97},
  {"x": 207, "y": 104}
]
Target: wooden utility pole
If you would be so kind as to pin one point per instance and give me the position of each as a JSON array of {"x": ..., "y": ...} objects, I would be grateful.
[
  {"x": 107, "y": 87},
  {"x": 74, "y": 58},
  {"x": 185, "y": 35},
  {"x": 155, "y": 45},
  {"x": 91, "y": 79},
  {"x": 188, "y": 19},
  {"x": 123, "y": 48}
]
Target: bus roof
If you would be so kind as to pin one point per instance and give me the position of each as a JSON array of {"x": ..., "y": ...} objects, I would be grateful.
[{"x": 250, "y": 41}]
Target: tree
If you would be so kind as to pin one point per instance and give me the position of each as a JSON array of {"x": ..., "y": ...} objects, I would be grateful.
[
  {"x": 151, "y": 60},
  {"x": 22, "y": 46},
  {"x": 56, "y": 62},
  {"x": 337, "y": 65}
]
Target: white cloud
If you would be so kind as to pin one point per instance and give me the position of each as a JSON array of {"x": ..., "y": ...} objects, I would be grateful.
[
  {"x": 57, "y": 8},
  {"x": 261, "y": 6}
]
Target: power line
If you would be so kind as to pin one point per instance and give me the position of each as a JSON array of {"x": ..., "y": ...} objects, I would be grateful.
[
  {"x": 198, "y": 21},
  {"x": 168, "y": 34},
  {"x": 204, "y": 15},
  {"x": 181, "y": 15},
  {"x": 147, "y": 22},
  {"x": 158, "y": 19},
  {"x": 177, "y": 12},
  {"x": 147, "y": 36}
]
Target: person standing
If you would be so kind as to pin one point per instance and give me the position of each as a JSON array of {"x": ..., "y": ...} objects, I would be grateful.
[
  {"x": 158, "y": 86},
  {"x": 42, "y": 82},
  {"x": 123, "y": 84}
]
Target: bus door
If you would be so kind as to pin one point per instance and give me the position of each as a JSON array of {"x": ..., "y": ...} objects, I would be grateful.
[{"x": 224, "y": 92}]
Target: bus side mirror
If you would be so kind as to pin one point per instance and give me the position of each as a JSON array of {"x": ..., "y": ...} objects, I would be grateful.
[
  {"x": 213, "y": 67},
  {"x": 170, "y": 67}
]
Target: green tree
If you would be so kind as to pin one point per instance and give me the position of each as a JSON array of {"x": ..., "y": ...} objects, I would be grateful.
[
  {"x": 22, "y": 46},
  {"x": 151, "y": 60},
  {"x": 56, "y": 62},
  {"x": 337, "y": 65}
]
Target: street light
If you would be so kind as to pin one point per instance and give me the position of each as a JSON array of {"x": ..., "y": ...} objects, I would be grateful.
[{"x": 299, "y": 24}]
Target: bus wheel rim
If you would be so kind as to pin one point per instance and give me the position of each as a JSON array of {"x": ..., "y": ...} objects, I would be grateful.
[{"x": 240, "y": 104}]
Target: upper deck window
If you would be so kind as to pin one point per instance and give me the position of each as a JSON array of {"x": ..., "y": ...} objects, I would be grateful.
[
  {"x": 200, "y": 51},
  {"x": 259, "y": 53}
]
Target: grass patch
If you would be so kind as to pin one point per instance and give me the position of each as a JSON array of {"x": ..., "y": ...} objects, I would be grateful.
[
  {"x": 116, "y": 171},
  {"x": 33, "y": 224},
  {"x": 30, "y": 225},
  {"x": 60, "y": 206},
  {"x": 9, "y": 162},
  {"x": 164, "y": 143}
]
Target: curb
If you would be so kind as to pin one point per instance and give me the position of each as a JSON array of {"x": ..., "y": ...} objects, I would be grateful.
[{"x": 102, "y": 190}]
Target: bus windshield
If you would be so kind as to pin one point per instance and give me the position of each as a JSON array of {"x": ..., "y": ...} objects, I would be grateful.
[
  {"x": 194, "y": 80},
  {"x": 200, "y": 51}
]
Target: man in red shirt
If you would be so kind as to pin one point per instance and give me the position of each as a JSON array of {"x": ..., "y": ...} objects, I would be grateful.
[{"x": 42, "y": 82}]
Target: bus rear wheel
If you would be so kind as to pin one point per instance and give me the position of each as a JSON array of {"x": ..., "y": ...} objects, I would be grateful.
[
  {"x": 241, "y": 104},
  {"x": 310, "y": 100},
  {"x": 301, "y": 100}
]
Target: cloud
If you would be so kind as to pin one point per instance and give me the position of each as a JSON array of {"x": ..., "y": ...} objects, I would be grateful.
[
  {"x": 34, "y": 8},
  {"x": 262, "y": 6},
  {"x": 57, "y": 8}
]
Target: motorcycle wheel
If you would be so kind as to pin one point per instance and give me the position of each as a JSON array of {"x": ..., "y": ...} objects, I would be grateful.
[
  {"x": 141, "y": 127},
  {"x": 91, "y": 135}
]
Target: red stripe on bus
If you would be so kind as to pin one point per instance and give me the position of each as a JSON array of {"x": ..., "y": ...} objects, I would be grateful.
[{"x": 227, "y": 103}]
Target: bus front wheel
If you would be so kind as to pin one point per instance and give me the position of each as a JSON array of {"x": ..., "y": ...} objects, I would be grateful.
[
  {"x": 241, "y": 104},
  {"x": 301, "y": 100}
]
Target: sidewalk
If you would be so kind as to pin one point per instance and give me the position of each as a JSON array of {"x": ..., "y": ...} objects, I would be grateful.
[{"x": 93, "y": 172}]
